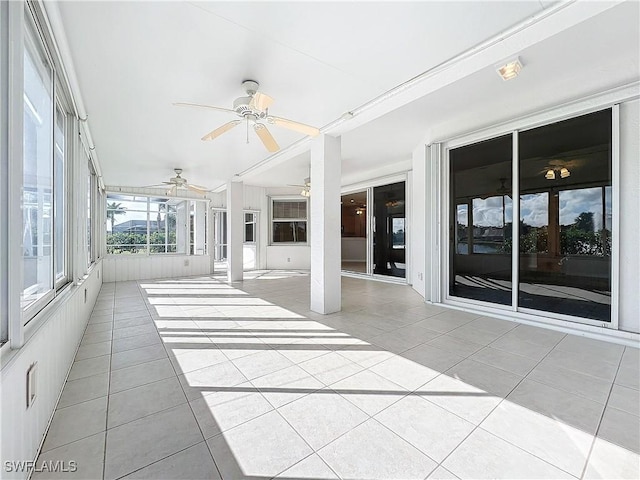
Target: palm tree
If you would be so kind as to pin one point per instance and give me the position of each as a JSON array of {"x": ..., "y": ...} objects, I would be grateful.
[{"x": 114, "y": 209}]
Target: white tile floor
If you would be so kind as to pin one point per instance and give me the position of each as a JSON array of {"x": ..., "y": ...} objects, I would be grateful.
[{"x": 194, "y": 378}]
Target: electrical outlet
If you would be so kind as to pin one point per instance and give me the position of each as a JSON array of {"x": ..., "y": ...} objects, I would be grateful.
[
  {"x": 288, "y": 259},
  {"x": 186, "y": 262},
  {"x": 32, "y": 382}
]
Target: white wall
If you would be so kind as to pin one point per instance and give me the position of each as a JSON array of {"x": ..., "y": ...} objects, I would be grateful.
[
  {"x": 296, "y": 257},
  {"x": 629, "y": 209},
  {"x": 53, "y": 346},
  {"x": 140, "y": 267},
  {"x": 354, "y": 249},
  {"x": 417, "y": 221}
]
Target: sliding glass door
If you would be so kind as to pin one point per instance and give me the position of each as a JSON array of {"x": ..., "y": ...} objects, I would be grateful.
[
  {"x": 565, "y": 219},
  {"x": 354, "y": 232},
  {"x": 480, "y": 261},
  {"x": 389, "y": 257},
  {"x": 373, "y": 231},
  {"x": 566, "y": 213}
]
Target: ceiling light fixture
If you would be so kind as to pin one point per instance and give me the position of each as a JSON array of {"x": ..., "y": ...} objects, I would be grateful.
[
  {"x": 564, "y": 172},
  {"x": 550, "y": 175},
  {"x": 510, "y": 69}
]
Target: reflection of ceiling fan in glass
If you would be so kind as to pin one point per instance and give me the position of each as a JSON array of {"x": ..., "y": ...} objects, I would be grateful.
[
  {"x": 503, "y": 190},
  {"x": 254, "y": 108}
]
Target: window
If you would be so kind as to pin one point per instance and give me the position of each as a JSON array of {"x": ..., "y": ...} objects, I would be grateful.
[
  {"x": 289, "y": 221},
  {"x": 60, "y": 203},
  {"x": 154, "y": 225},
  {"x": 38, "y": 174},
  {"x": 250, "y": 228},
  {"x": 92, "y": 190}
]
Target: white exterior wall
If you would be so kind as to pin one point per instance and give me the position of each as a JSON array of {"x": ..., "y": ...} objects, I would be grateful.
[
  {"x": 629, "y": 209},
  {"x": 53, "y": 346}
]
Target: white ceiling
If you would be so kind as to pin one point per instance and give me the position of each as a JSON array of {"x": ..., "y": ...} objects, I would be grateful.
[
  {"x": 318, "y": 60},
  {"x": 570, "y": 65}
]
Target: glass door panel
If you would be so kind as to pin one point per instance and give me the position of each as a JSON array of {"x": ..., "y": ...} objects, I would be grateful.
[
  {"x": 354, "y": 232},
  {"x": 481, "y": 227},
  {"x": 565, "y": 217},
  {"x": 389, "y": 253}
]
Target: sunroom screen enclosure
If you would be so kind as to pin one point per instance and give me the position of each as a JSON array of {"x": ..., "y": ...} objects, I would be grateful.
[{"x": 565, "y": 219}]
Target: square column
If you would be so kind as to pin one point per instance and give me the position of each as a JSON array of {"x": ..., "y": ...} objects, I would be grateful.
[
  {"x": 326, "y": 287},
  {"x": 235, "y": 226}
]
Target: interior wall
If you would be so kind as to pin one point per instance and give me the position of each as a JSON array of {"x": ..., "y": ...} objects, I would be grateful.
[
  {"x": 140, "y": 267},
  {"x": 297, "y": 257},
  {"x": 629, "y": 208},
  {"x": 53, "y": 347}
]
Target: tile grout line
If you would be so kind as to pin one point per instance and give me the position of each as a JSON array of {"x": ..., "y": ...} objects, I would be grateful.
[
  {"x": 604, "y": 409},
  {"x": 106, "y": 419},
  {"x": 479, "y": 425},
  {"x": 145, "y": 297}
]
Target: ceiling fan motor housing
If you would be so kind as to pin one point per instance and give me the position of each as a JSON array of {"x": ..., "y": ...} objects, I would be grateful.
[{"x": 242, "y": 106}]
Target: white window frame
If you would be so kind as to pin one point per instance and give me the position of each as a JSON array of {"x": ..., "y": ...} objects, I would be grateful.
[
  {"x": 254, "y": 222},
  {"x": 272, "y": 220},
  {"x": 31, "y": 310},
  {"x": 148, "y": 196}
]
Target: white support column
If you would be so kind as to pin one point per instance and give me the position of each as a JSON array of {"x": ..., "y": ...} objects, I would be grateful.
[
  {"x": 326, "y": 159},
  {"x": 199, "y": 227},
  {"x": 235, "y": 226}
]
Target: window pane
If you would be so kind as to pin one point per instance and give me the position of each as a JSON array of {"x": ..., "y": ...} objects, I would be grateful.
[
  {"x": 162, "y": 225},
  {"x": 289, "y": 232},
  {"x": 565, "y": 226},
  {"x": 126, "y": 224},
  {"x": 294, "y": 209},
  {"x": 90, "y": 188},
  {"x": 389, "y": 256},
  {"x": 60, "y": 197},
  {"x": 481, "y": 226},
  {"x": 37, "y": 203},
  {"x": 248, "y": 232},
  {"x": 462, "y": 229}
]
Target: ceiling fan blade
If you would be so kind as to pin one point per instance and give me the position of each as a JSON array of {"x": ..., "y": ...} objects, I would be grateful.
[
  {"x": 172, "y": 190},
  {"x": 198, "y": 105},
  {"x": 220, "y": 130},
  {"x": 197, "y": 189},
  {"x": 294, "y": 185},
  {"x": 291, "y": 125},
  {"x": 261, "y": 101},
  {"x": 268, "y": 140},
  {"x": 155, "y": 186}
]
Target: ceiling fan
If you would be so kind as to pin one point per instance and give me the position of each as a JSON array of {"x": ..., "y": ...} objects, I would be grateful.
[
  {"x": 254, "y": 108},
  {"x": 179, "y": 182},
  {"x": 306, "y": 188}
]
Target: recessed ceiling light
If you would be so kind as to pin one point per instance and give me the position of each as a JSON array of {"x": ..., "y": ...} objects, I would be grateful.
[{"x": 510, "y": 69}]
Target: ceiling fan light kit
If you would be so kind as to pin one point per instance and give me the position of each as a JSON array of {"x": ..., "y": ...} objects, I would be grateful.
[{"x": 254, "y": 107}]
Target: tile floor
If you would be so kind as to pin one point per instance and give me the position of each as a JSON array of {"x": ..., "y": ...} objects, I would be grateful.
[{"x": 194, "y": 378}]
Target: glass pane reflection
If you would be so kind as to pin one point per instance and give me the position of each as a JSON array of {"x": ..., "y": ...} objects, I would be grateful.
[{"x": 565, "y": 211}]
